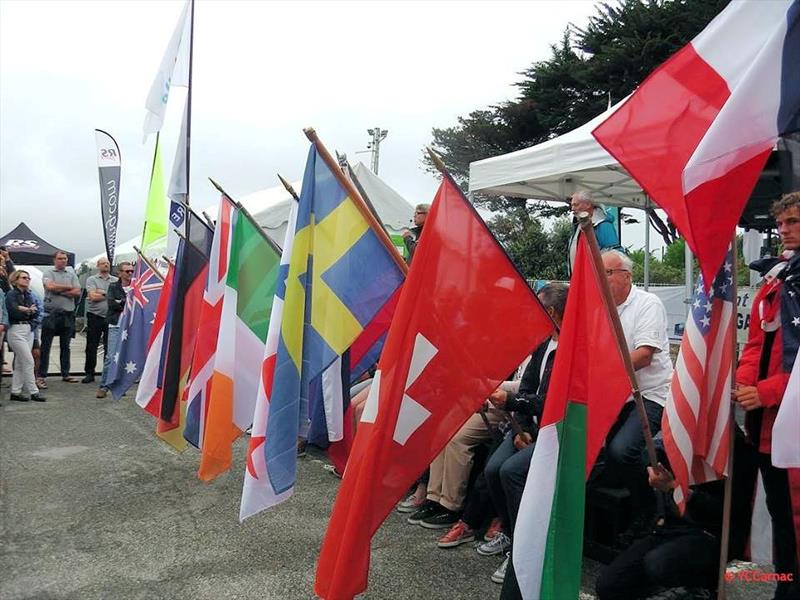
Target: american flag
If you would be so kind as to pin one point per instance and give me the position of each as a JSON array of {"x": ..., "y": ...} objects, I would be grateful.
[{"x": 696, "y": 417}]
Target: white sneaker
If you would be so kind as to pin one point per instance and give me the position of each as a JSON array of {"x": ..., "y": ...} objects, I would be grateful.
[
  {"x": 497, "y": 545},
  {"x": 500, "y": 574}
]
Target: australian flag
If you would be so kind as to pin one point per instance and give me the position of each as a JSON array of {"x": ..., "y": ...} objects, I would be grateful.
[{"x": 135, "y": 324}]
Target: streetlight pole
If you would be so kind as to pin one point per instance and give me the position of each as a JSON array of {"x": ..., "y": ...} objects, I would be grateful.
[{"x": 378, "y": 135}]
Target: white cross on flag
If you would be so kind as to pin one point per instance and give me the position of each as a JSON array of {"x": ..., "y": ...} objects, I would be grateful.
[{"x": 465, "y": 319}]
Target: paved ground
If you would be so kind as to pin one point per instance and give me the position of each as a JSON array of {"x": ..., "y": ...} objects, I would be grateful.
[{"x": 92, "y": 505}]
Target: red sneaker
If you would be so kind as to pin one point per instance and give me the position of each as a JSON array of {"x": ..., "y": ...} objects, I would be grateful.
[
  {"x": 494, "y": 528},
  {"x": 458, "y": 534}
]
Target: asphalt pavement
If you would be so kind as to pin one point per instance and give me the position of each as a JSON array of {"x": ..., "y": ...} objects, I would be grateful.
[{"x": 93, "y": 505}]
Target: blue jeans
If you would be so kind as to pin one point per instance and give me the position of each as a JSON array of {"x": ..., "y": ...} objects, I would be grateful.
[
  {"x": 111, "y": 349},
  {"x": 505, "y": 473},
  {"x": 624, "y": 449}
]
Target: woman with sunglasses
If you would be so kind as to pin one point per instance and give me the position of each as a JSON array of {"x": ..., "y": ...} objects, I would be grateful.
[
  {"x": 116, "y": 295},
  {"x": 23, "y": 316}
]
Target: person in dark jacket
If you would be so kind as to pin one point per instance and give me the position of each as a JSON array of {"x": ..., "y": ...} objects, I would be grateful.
[
  {"x": 23, "y": 317},
  {"x": 411, "y": 236},
  {"x": 116, "y": 296},
  {"x": 683, "y": 551},
  {"x": 507, "y": 468}
]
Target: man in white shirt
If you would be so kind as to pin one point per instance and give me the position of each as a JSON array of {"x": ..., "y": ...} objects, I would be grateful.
[{"x": 644, "y": 322}]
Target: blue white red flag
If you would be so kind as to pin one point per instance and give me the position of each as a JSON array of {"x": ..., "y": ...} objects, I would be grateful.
[{"x": 697, "y": 132}]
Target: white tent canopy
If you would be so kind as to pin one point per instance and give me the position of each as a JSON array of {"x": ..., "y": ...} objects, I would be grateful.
[
  {"x": 270, "y": 208},
  {"x": 557, "y": 168}
]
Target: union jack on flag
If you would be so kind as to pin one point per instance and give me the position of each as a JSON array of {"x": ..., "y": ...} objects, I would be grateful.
[
  {"x": 696, "y": 417},
  {"x": 134, "y": 324}
]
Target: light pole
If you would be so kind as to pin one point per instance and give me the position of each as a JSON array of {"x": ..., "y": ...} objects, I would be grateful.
[{"x": 378, "y": 135}]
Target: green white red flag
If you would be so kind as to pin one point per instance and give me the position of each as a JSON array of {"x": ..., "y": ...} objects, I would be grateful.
[{"x": 588, "y": 387}]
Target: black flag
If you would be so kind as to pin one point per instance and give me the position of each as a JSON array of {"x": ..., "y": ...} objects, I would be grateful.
[{"x": 108, "y": 163}]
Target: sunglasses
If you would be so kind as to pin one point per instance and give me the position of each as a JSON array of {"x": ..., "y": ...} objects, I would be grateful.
[{"x": 127, "y": 271}]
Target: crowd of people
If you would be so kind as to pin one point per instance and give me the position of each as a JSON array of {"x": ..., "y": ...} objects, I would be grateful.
[
  {"x": 472, "y": 490},
  {"x": 29, "y": 323}
]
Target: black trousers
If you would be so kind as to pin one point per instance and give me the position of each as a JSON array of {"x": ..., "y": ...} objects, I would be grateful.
[
  {"x": 63, "y": 326},
  {"x": 686, "y": 557},
  {"x": 779, "y": 505},
  {"x": 96, "y": 331}
]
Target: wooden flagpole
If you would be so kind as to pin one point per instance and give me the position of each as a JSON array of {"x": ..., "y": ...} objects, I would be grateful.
[
  {"x": 288, "y": 187},
  {"x": 356, "y": 198},
  {"x": 588, "y": 231},
  {"x": 150, "y": 264},
  {"x": 248, "y": 216},
  {"x": 725, "y": 533}
]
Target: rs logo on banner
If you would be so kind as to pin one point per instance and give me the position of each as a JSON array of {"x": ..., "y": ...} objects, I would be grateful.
[{"x": 22, "y": 244}]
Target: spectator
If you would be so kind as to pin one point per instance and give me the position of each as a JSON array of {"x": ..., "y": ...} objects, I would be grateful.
[
  {"x": 37, "y": 340},
  {"x": 604, "y": 231},
  {"x": 3, "y": 320},
  {"x": 507, "y": 468},
  {"x": 762, "y": 377},
  {"x": 644, "y": 323},
  {"x": 411, "y": 236},
  {"x": 61, "y": 289},
  {"x": 683, "y": 551},
  {"x": 117, "y": 293},
  {"x": 6, "y": 268},
  {"x": 96, "y": 311},
  {"x": 450, "y": 471},
  {"x": 22, "y": 316}
]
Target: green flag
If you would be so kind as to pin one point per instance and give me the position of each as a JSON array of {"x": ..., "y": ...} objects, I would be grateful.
[
  {"x": 155, "y": 214},
  {"x": 249, "y": 293}
]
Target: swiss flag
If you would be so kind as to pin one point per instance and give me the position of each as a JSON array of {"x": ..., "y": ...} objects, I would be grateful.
[{"x": 465, "y": 319}]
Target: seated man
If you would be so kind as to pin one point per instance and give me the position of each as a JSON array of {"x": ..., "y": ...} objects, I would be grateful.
[
  {"x": 644, "y": 322},
  {"x": 684, "y": 551},
  {"x": 507, "y": 468},
  {"x": 449, "y": 472}
]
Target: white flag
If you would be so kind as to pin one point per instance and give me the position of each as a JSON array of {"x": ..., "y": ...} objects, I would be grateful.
[
  {"x": 786, "y": 429},
  {"x": 178, "y": 186},
  {"x": 174, "y": 70}
]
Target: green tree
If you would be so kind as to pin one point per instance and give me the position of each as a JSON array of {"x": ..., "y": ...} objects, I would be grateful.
[
  {"x": 620, "y": 45},
  {"x": 537, "y": 252}
]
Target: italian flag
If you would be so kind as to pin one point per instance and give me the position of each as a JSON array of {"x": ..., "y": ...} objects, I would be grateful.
[
  {"x": 588, "y": 387},
  {"x": 247, "y": 303}
]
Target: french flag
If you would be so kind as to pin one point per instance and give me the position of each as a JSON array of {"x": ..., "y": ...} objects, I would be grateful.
[{"x": 696, "y": 134}]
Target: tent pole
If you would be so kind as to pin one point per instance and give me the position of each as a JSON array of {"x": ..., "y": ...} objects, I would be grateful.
[{"x": 646, "y": 243}]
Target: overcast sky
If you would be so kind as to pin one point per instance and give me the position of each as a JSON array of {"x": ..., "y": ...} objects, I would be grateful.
[{"x": 262, "y": 72}]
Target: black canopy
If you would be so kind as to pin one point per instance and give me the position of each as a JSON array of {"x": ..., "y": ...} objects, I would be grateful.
[{"x": 27, "y": 248}]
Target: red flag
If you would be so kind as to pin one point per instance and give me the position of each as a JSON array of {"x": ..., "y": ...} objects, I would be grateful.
[
  {"x": 588, "y": 387},
  {"x": 148, "y": 394},
  {"x": 465, "y": 319},
  {"x": 697, "y": 132}
]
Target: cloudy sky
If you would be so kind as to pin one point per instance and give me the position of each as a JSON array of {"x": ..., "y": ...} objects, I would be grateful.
[{"x": 262, "y": 72}]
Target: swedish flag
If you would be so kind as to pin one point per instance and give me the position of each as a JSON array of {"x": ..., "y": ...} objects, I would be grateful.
[{"x": 340, "y": 275}]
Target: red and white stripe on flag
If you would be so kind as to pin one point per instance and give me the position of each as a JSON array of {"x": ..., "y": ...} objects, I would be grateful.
[{"x": 695, "y": 423}]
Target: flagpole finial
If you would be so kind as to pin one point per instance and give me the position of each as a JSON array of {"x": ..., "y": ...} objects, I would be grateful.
[
  {"x": 437, "y": 161},
  {"x": 288, "y": 187},
  {"x": 218, "y": 186},
  {"x": 310, "y": 134}
]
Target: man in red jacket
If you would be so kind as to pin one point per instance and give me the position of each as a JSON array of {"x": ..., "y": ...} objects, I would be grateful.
[{"x": 761, "y": 380}]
